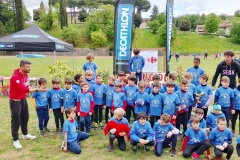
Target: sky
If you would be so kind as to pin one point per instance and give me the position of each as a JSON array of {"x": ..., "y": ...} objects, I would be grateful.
[{"x": 181, "y": 7}]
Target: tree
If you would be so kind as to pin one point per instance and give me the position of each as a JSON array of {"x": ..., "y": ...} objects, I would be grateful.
[
  {"x": 153, "y": 26},
  {"x": 70, "y": 35},
  {"x": 185, "y": 25},
  {"x": 137, "y": 20},
  {"x": 237, "y": 13},
  {"x": 57, "y": 12},
  {"x": 211, "y": 23},
  {"x": 98, "y": 38},
  {"x": 26, "y": 14},
  {"x": 19, "y": 14},
  {"x": 162, "y": 33},
  {"x": 2, "y": 29},
  {"x": 223, "y": 17},
  {"x": 36, "y": 14},
  {"x": 235, "y": 30},
  {"x": 142, "y": 6},
  {"x": 82, "y": 15},
  {"x": 71, "y": 4},
  {"x": 155, "y": 12},
  {"x": 63, "y": 14}
]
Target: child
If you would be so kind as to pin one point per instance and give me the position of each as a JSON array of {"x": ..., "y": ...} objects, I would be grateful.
[
  {"x": 89, "y": 80},
  {"x": 238, "y": 146},
  {"x": 120, "y": 120},
  {"x": 121, "y": 76},
  {"x": 55, "y": 101},
  {"x": 147, "y": 85},
  {"x": 155, "y": 102},
  {"x": 206, "y": 96},
  {"x": 173, "y": 78},
  {"x": 130, "y": 90},
  {"x": 136, "y": 65},
  {"x": 108, "y": 96},
  {"x": 195, "y": 141},
  {"x": 69, "y": 95},
  {"x": 186, "y": 100},
  {"x": 224, "y": 96},
  {"x": 78, "y": 80},
  {"x": 164, "y": 134},
  {"x": 90, "y": 65},
  {"x": 203, "y": 124},
  {"x": 71, "y": 136},
  {"x": 98, "y": 91},
  {"x": 171, "y": 101},
  {"x": 141, "y": 132},
  {"x": 118, "y": 98},
  {"x": 85, "y": 105},
  {"x": 221, "y": 138},
  {"x": 213, "y": 116},
  {"x": 140, "y": 99},
  {"x": 155, "y": 78},
  {"x": 236, "y": 101},
  {"x": 42, "y": 107}
]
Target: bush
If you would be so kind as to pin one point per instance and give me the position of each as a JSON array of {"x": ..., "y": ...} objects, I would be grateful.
[
  {"x": 105, "y": 73},
  {"x": 220, "y": 32},
  {"x": 98, "y": 38},
  {"x": 70, "y": 35}
]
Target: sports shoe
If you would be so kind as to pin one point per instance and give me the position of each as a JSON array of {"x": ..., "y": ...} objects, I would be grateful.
[
  {"x": 17, "y": 144},
  {"x": 135, "y": 148},
  {"x": 41, "y": 133},
  {"x": 101, "y": 125},
  {"x": 110, "y": 148},
  {"x": 194, "y": 156},
  {"x": 57, "y": 130},
  {"x": 173, "y": 153},
  {"x": 28, "y": 137},
  {"x": 46, "y": 129},
  {"x": 95, "y": 126},
  {"x": 233, "y": 133},
  {"x": 147, "y": 148},
  {"x": 62, "y": 146}
]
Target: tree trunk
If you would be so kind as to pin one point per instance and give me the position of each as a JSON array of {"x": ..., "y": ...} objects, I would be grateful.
[
  {"x": 63, "y": 14},
  {"x": 19, "y": 14}
]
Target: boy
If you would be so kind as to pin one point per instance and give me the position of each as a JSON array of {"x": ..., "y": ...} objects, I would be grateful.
[
  {"x": 173, "y": 78},
  {"x": 221, "y": 138},
  {"x": 155, "y": 102},
  {"x": 90, "y": 65},
  {"x": 141, "y": 132},
  {"x": 236, "y": 101},
  {"x": 155, "y": 78},
  {"x": 136, "y": 65},
  {"x": 42, "y": 107},
  {"x": 71, "y": 136},
  {"x": 85, "y": 105},
  {"x": 165, "y": 133},
  {"x": 118, "y": 98},
  {"x": 213, "y": 116},
  {"x": 186, "y": 100},
  {"x": 206, "y": 96},
  {"x": 121, "y": 76},
  {"x": 98, "y": 91},
  {"x": 78, "y": 80},
  {"x": 55, "y": 101},
  {"x": 196, "y": 71},
  {"x": 171, "y": 101},
  {"x": 140, "y": 99},
  {"x": 69, "y": 95},
  {"x": 195, "y": 141},
  {"x": 120, "y": 120},
  {"x": 147, "y": 85},
  {"x": 203, "y": 124},
  {"x": 108, "y": 96},
  {"x": 224, "y": 96},
  {"x": 89, "y": 80},
  {"x": 130, "y": 90}
]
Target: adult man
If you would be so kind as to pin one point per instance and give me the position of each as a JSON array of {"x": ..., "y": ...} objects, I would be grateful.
[
  {"x": 18, "y": 102},
  {"x": 228, "y": 68}
]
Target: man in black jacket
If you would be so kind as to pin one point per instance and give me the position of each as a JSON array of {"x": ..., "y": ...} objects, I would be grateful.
[{"x": 227, "y": 68}]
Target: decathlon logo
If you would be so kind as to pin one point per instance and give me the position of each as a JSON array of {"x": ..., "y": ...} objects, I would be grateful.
[
  {"x": 152, "y": 60},
  {"x": 33, "y": 36}
]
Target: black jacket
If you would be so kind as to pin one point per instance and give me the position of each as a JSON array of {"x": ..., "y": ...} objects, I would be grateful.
[{"x": 230, "y": 71}]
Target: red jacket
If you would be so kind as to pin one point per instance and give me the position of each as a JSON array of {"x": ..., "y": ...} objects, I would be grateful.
[{"x": 18, "y": 85}]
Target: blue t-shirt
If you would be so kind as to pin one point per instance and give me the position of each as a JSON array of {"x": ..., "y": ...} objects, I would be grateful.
[
  {"x": 140, "y": 98},
  {"x": 147, "y": 89},
  {"x": 109, "y": 95},
  {"x": 85, "y": 101},
  {"x": 196, "y": 73},
  {"x": 98, "y": 90},
  {"x": 69, "y": 98},
  {"x": 92, "y": 67},
  {"x": 71, "y": 129},
  {"x": 236, "y": 100},
  {"x": 204, "y": 98},
  {"x": 195, "y": 136},
  {"x": 130, "y": 91},
  {"x": 136, "y": 62},
  {"x": 141, "y": 131},
  {"x": 163, "y": 89},
  {"x": 220, "y": 137},
  {"x": 170, "y": 103},
  {"x": 76, "y": 87},
  {"x": 90, "y": 83},
  {"x": 121, "y": 121},
  {"x": 185, "y": 99},
  {"x": 160, "y": 131},
  {"x": 55, "y": 96},
  {"x": 40, "y": 99},
  {"x": 155, "y": 101},
  {"x": 212, "y": 119},
  {"x": 192, "y": 88},
  {"x": 203, "y": 123},
  {"x": 118, "y": 98},
  {"x": 223, "y": 96}
]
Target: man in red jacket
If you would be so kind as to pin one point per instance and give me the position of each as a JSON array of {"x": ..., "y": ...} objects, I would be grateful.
[{"x": 18, "y": 102}]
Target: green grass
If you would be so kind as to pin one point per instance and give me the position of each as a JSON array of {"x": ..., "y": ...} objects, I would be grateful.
[{"x": 48, "y": 146}]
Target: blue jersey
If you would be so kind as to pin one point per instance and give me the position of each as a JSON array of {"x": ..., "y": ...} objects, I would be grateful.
[
  {"x": 212, "y": 119},
  {"x": 192, "y": 89},
  {"x": 170, "y": 103},
  {"x": 139, "y": 131},
  {"x": 224, "y": 96},
  {"x": 140, "y": 98},
  {"x": 121, "y": 121},
  {"x": 195, "y": 136},
  {"x": 163, "y": 89},
  {"x": 203, "y": 123},
  {"x": 69, "y": 98},
  {"x": 136, "y": 62},
  {"x": 92, "y": 67},
  {"x": 109, "y": 94},
  {"x": 155, "y": 101},
  {"x": 236, "y": 100},
  {"x": 130, "y": 91},
  {"x": 90, "y": 84},
  {"x": 56, "y": 98},
  {"x": 147, "y": 89},
  {"x": 204, "y": 98},
  {"x": 98, "y": 90},
  {"x": 185, "y": 99},
  {"x": 160, "y": 132},
  {"x": 218, "y": 137},
  {"x": 196, "y": 73},
  {"x": 71, "y": 129},
  {"x": 118, "y": 99},
  {"x": 85, "y": 101},
  {"x": 238, "y": 140},
  {"x": 123, "y": 86},
  {"x": 76, "y": 87},
  {"x": 40, "y": 99}
]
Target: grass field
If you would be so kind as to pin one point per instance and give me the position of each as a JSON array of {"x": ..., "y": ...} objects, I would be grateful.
[{"x": 48, "y": 146}]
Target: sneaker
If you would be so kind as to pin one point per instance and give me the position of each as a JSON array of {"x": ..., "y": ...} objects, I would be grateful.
[
  {"x": 194, "y": 156},
  {"x": 62, "y": 146},
  {"x": 46, "y": 129},
  {"x": 17, "y": 144},
  {"x": 110, "y": 148},
  {"x": 173, "y": 153},
  {"x": 101, "y": 125},
  {"x": 28, "y": 137},
  {"x": 135, "y": 148},
  {"x": 41, "y": 133},
  {"x": 233, "y": 133},
  {"x": 57, "y": 130},
  {"x": 95, "y": 126},
  {"x": 147, "y": 148}
]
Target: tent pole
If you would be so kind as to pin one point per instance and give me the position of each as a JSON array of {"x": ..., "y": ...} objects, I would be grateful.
[
  {"x": 54, "y": 56},
  {"x": 21, "y": 54}
]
